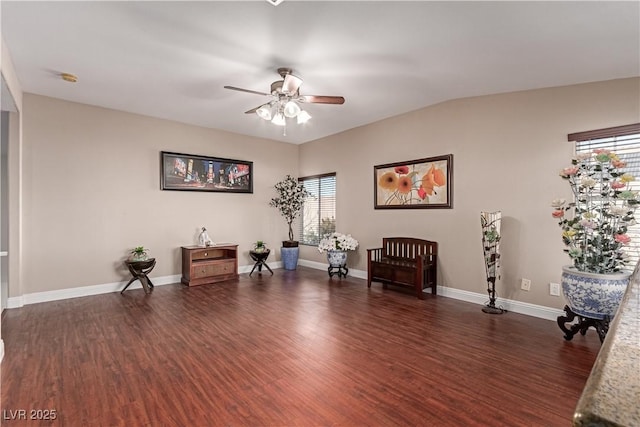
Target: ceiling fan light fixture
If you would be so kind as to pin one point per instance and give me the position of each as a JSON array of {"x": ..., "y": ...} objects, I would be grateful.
[
  {"x": 264, "y": 112},
  {"x": 291, "y": 109},
  {"x": 279, "y": 120},
  {"x": 285, "y": 99},
  {"x": 303, "y": 117}
]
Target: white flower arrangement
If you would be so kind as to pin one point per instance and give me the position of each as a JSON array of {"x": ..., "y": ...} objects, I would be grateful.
[{"x": 337, "y": 242}]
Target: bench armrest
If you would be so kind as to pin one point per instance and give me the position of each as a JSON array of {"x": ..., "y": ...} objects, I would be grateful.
[{"x": 374, "y": 254}]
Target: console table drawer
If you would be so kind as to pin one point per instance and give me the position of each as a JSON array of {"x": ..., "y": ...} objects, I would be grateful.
[
  {"x": 205, "y": 270},
  {"x": 208, "y": 253}
]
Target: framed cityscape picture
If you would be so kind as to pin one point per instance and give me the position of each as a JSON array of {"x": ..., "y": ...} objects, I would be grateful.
[{"x": 189, "y": 172}]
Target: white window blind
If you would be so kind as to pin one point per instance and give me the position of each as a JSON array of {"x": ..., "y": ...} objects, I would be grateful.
[
  {"x": 319, "y": 211},
  {"x": 625, "y": 142}
]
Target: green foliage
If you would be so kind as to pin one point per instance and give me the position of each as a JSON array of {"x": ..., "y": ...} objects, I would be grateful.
[{"x": 327, "y": 226}]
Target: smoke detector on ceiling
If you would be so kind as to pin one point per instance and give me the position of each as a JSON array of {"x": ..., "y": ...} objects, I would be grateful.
[{"x": 275, "y": 2}]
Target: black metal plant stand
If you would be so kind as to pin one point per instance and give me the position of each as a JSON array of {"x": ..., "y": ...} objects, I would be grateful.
[
  {"x": 261, "y": 260},
  {"x": 342, "y": 270},
  {"x": 584, "y": 323},
  {"x": 140, "y": 271}
]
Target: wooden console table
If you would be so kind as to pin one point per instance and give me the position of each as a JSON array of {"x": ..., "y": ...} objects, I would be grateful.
[{"x": 203, "y": 265}]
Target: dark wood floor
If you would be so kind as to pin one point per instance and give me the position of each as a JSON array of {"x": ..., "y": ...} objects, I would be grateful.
[{"x": 295, "y": 349}]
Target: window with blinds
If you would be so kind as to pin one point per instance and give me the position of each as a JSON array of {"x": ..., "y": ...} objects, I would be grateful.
[
  {"x": 319, "y": 211},
  {"x": 625, "y": 142}
]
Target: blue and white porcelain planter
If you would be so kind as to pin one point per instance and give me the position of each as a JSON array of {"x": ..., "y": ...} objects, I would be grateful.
[
  {"x": 289, "y": 257},
  {"x": 592, "y": 295},
  {"x": 337, "y": 258}
]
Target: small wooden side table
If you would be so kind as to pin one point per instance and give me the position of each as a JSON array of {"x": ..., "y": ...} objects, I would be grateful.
[
  {"x": 261, "y": 259},
  {"x": 140, "y": 270}
]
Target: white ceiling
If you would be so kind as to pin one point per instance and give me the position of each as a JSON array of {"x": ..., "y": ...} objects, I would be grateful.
[{"x": 172, "y": 59}]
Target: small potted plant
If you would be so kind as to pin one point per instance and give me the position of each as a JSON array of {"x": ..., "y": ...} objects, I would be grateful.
[
  {"x": 259, "y": 246},
  {"x": 139, "y": 253}
]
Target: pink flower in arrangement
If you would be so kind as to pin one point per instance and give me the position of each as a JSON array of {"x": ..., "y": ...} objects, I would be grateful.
[
  {"x": 403, "y": 170},
  {"x": 622, "y": 238},
  {"x": 594, "y": 225},
  {"x": 618, "y": 164},
  {"x": 567, "y": 172},
  {"x": 587, "y": 223}
]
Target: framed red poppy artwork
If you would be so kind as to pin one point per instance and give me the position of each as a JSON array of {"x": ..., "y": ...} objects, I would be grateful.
[{"x": 415, "y": 184}]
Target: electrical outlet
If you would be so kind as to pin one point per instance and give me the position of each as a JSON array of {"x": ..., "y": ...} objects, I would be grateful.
[
  {"x": 554, "y": 289},
  {"x": 525, "y": 284}
]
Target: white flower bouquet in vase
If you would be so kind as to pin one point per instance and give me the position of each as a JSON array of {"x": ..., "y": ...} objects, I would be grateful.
[{"x": 336, "y": 245}]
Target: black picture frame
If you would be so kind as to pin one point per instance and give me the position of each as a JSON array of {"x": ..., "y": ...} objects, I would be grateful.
[
  {"x": 414, "y": 184},
  {"x": 192, "y": 172}
]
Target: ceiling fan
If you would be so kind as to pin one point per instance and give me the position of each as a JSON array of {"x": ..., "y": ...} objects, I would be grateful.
[{"x": 285, "y": 100}]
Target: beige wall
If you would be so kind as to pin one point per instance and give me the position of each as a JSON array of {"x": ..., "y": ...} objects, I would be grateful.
[
  {"x": 507, "y": 151},
  {"x": 91, "y": 185},
  {"x": 92, "y": 192}
]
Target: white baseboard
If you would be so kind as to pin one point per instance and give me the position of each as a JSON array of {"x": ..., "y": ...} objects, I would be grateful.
[
  {"x": 83, "y": 291},
  {"x": 247, "y": 268},
  {"x": 509, "y": 305},
  {"x": 473, "y": 297}
]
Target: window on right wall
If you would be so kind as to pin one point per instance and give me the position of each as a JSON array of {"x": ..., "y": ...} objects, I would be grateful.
[{"x": 625, "y": 142}]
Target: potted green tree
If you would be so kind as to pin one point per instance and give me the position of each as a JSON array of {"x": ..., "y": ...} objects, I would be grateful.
[{"x": 291, "y": 196}]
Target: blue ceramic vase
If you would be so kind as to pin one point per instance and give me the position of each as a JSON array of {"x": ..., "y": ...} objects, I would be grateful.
[
  {"x": 596, "y": 296},
  {"x": 289, "y": 258},
  {"x": 337, "y": 258}
]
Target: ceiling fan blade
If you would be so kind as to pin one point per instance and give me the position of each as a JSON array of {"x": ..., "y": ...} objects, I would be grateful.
[
  {"x": 246, "y": 90},
  {"x": 253, "y": 110},
  {"x": 291, "y": 84},
  {"x": 314, "y": 99}
]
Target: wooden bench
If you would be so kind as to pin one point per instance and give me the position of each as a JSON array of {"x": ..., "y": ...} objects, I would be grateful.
[{"x": 404, "y": 261}]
